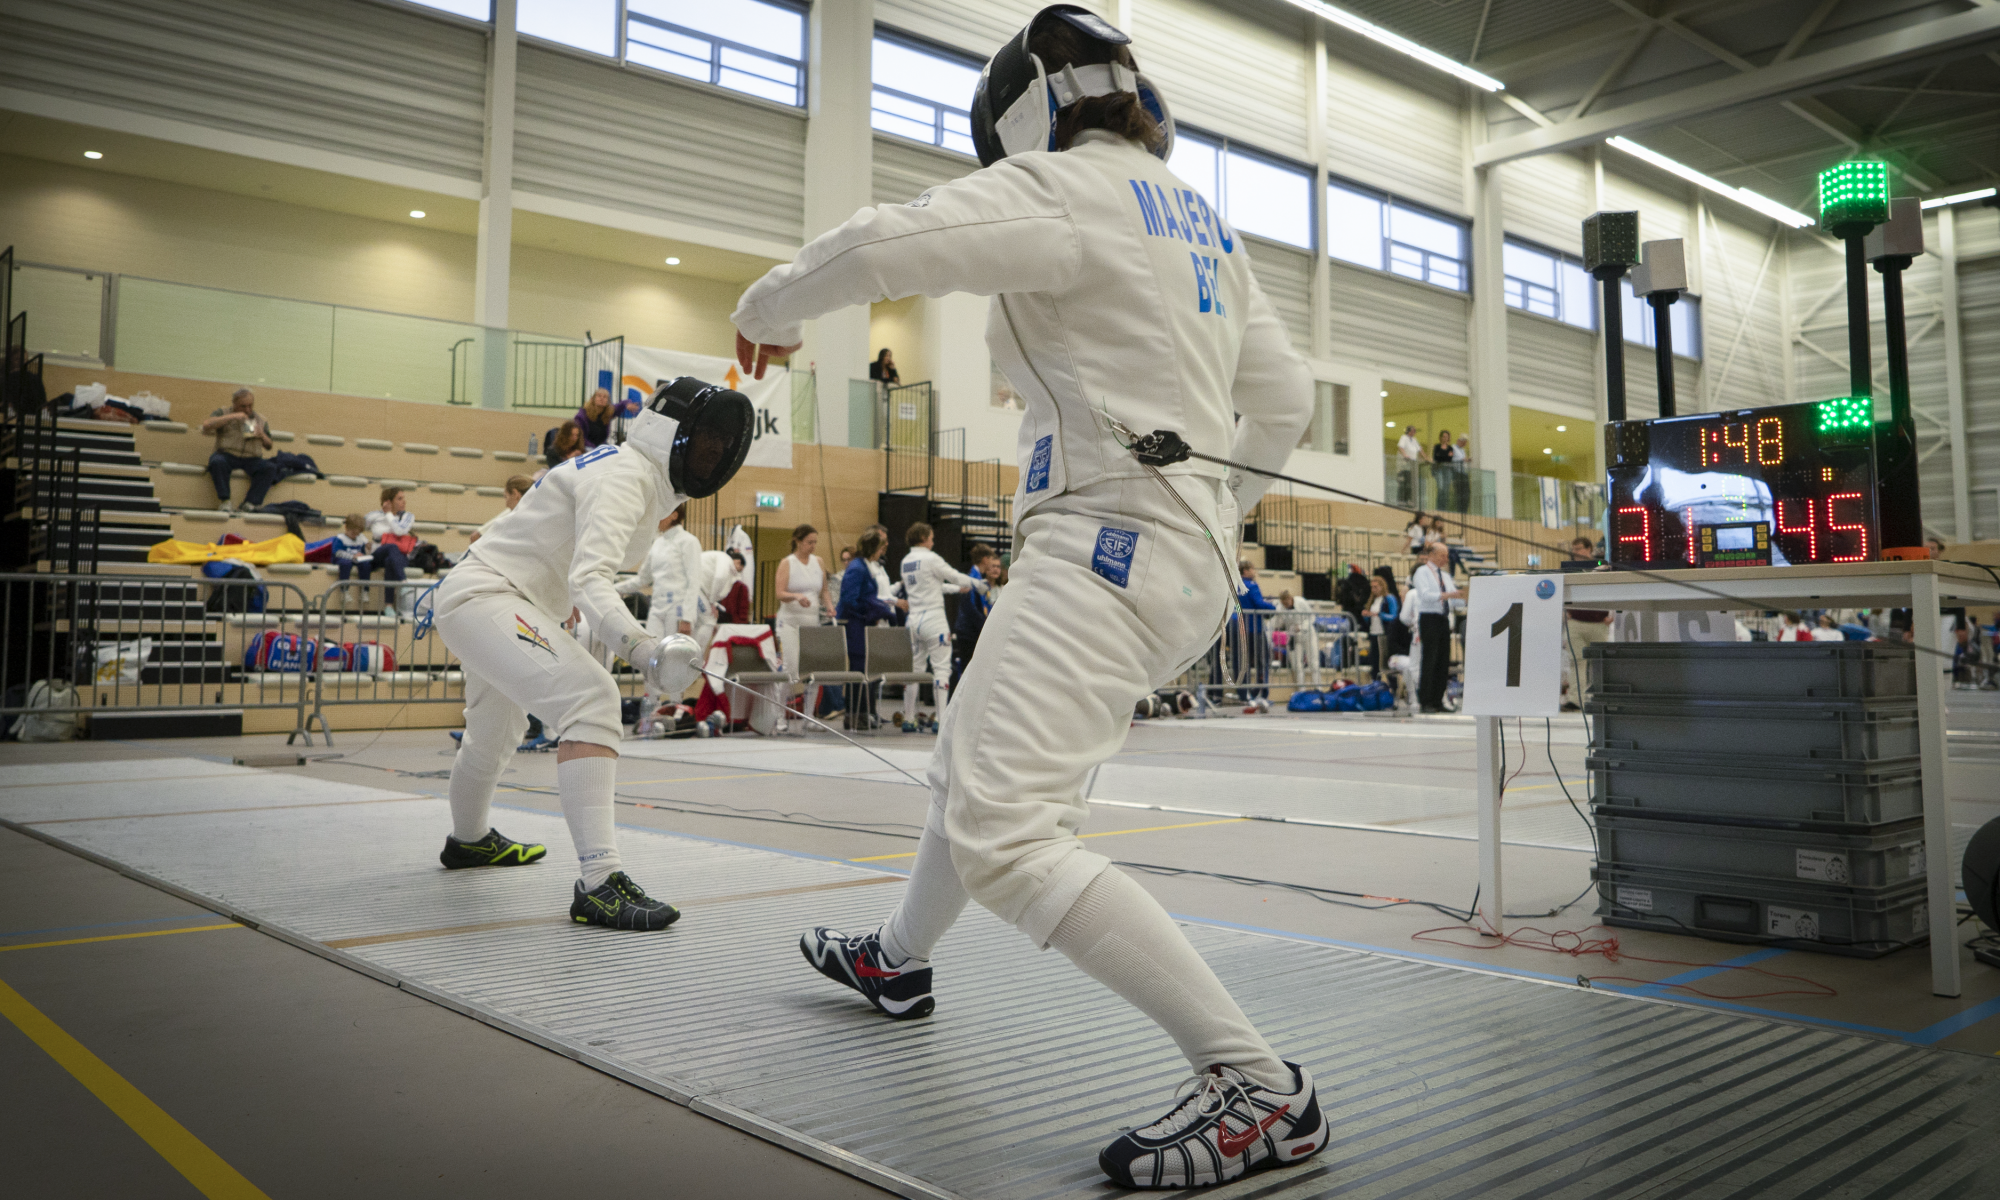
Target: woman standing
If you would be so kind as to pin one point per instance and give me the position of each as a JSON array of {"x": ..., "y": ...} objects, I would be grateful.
[
  {"x": 1122, "y": 304},
  {"x": 803, "y": 594},
  {"x": 1444, "y": 470},
  {"x": 883, "y": 369},
  {"x": 861, "y": 606},
  {"x": 1381, "y": 614}
]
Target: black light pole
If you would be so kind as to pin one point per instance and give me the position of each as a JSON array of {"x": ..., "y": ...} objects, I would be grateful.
[
  {"x": 1663, "y": 348},
  {"x": 1892, "y": 247}
]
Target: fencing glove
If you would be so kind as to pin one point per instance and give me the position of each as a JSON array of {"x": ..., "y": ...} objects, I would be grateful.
[{"x": 670, "y": 664}]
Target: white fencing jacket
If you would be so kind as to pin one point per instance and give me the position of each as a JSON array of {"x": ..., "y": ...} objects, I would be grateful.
[
  {"x": 674, "y": 571},
  {"x": 1117, "y": 290},
  {"x": 926, "y": 577},
  {"x": 586, "y": 520}
]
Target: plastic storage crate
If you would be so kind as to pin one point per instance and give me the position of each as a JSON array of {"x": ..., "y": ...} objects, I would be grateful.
[
  {"x": 1771, "y": 730},
  {"x": 1889, "y": 857},
  {"x": 1832, "y": 795},
  {"x": 1853, "y": 924},
  {"x": 1741, "y": 670}
]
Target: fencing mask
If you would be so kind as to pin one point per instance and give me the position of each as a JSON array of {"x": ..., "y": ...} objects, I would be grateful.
[
  {"x": 713, "y": 431},
  {"x": 1015, "y": 104}
]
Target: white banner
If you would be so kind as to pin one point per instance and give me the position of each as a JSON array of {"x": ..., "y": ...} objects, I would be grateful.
[{"x": 646, "y": 367}]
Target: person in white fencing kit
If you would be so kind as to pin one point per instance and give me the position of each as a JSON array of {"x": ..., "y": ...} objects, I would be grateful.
[
  {"x": 926, "y": 579},
  {"x": 501, "y": 612},
  {"x": 674, "y": 573},
  {"x": 1123, "y": 304}
]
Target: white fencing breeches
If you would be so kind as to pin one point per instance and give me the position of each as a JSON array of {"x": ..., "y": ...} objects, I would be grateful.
[
  {"x": 1103, "y": 606},
  {"x": 788, "y": 645},
  {"x": 930, "y": 643},
  {"x": 518, "y": 660}
]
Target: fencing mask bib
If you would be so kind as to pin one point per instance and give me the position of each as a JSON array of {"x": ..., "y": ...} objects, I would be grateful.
[
  {"x": 1014, "y": 107},
  {"x": 714, "y": 429}
]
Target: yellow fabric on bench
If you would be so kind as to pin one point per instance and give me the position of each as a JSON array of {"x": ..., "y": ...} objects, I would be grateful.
[{"x": 284, "y": 548}]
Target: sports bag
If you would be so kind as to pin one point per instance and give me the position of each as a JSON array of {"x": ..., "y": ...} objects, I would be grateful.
[
  {"x": 371, "y": 657},
  {"x": 1306, "y": 701},
  {"x": 274, "y": 651}
]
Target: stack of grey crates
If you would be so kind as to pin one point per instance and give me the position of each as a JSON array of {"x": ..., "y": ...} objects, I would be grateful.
[{"x": 1752, "y": 791}]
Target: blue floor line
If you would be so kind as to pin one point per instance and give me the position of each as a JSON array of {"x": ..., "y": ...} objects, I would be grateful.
[
  {"x": 1663, "y": 987},
  {"x": 1957, "y": 1022}
]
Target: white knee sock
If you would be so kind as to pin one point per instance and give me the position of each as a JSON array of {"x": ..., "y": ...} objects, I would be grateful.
[
  {"x": 1123, "y": 939},
  {"x": 472, "y": 796},
  {"x": 930, "y": 906},
  {"x": 586, "y": 785}
]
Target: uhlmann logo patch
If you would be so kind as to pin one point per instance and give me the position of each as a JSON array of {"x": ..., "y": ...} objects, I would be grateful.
[{"x": 1113, "y": 556}]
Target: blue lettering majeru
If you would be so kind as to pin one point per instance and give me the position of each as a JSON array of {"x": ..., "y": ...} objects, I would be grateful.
[{"x": 1182, "y": 214}]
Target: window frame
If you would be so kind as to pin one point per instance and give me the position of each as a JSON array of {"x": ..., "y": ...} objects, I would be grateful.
[
  {"x": 716, "y": 45},
  {"x": 1389, "y": 201},
  {"x": 458, "y": 19},
  {"x": 1594, "y": 291},
  {"x": 1644, "y": 333},
  {"x": 936, "y": 49},
  {"x": 1224, "y": 146}
]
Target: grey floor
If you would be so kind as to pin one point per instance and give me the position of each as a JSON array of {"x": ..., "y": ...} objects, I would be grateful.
[{"x": 313, "y": 1079}]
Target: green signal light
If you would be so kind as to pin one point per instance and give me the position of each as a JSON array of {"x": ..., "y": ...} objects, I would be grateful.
[
  {"x": 1854, "y": 193},
  {"x": 1846, "y": 414}
]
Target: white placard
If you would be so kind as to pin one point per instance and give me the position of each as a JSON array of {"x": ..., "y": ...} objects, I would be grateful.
[
  {"x": 1674, "y": 627},
  {"x": 1513, "y": 646}
]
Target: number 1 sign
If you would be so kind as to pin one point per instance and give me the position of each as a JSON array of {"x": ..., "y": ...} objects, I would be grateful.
[{"x": 1513, "y": 646}]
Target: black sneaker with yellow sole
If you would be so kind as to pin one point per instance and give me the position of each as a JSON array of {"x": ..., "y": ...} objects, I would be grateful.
[
  {"x": 493, "y": 850},
  {"x": 618, "y": 903}
]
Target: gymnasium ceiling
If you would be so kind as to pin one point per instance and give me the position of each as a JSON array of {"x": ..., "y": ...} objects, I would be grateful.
[{"x": 1916, "y": 84}]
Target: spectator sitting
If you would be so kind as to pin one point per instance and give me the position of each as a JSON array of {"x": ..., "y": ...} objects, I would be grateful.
[
  {"x": 846, "y": 556},
  {"x": 1582, "y": 627},
  {"x": 1827, "y": 630},
  {"x": 883, "y": 369},
  {"x": 1418, "y": 533},
  {"x": 517, "y": 487},
  {"x": 1792, "y": 629},
  {"x": 389, "y": 526},
  {"x": 241, "y": 438},
  {"x": 593, "y": 420},
  {"x": 351, "y": 548},
  {"x": 562, "y": 443}
]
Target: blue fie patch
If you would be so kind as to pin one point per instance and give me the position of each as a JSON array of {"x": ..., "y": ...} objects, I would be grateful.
[{"x": 1038, "y": 466}]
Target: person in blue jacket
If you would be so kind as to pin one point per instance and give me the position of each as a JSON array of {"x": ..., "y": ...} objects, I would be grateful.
[
  {"x": 860, "y": 606},
  {"x": 1252, "y": 650},
  {"x": 973, "y": 608}
]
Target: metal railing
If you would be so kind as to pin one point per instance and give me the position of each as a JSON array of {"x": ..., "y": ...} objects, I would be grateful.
[
  {"x": 1272, "y": 653},
  {"x": 93, "y": 644},
  {"x": 1439, "y": 487}
]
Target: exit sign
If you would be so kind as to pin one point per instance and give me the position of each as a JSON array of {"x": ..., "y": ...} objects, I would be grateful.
[{"x": 770, "y": 500}]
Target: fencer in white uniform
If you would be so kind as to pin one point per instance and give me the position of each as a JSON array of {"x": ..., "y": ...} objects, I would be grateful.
[
  {"x": 673, "y": 572},
  {"x": 926, "y": 579},
  {"x": 1123, "y": 304},
  {"x": 501, "y": 612}
]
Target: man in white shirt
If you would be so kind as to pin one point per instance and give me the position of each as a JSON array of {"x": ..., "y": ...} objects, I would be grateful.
[
  {"x": 1410, "y": 450},
  {"x": 1432, "y": 591},
  {"x": 926, "y": 579}
]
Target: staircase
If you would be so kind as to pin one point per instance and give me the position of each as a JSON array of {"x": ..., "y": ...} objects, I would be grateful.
[
  {"x": 979, "y": 520},
  {"x": 78, "y": 493}
]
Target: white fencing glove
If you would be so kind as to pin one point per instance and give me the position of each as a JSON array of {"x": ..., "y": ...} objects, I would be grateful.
[{"x": 670, "y": 664}]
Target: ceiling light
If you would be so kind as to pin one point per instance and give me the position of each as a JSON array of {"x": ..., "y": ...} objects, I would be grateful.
[
  {"x": 1388, "y": 424},
  {"x": 1744, "y": 196},
  {"x": 673, "y": 262},
  {"x": 1385, "y": 395},
  {"x": 418, "y": 213},
  {"x": 1562, "y": 429},
  {"x": 1940, "y": 202},
  {"x": 93, "y": 154},
  {"x": 1373, "y": 32},
  {"x": 1548, "y": 450}
]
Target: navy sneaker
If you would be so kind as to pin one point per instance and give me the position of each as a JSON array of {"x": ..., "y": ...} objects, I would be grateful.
[
  {"x": 493, "y": 850},
  {"x": 618, "y": 903},
  {"x": 1224, "y": 1128},
  {"x": 903, "y": 991}
]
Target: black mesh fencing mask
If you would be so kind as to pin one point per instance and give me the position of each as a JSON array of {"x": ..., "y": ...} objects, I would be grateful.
[{"x": 715, "y": 427}]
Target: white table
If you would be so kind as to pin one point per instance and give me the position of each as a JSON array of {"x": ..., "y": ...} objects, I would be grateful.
[{"x": 1922, "y": 586}]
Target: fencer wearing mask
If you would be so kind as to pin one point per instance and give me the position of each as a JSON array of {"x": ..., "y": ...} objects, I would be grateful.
[
  {"x": 674, "y": 574},
  {"x": 1123, "y": 304},
  {"x": 501, "y": 612}
]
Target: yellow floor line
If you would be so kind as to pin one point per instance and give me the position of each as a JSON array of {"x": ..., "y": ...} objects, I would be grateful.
[
  {"x": 121, "y": 937},
  {"x": 700, "y": 778},
  {"x": 1106, "y": 833},
  {"x": 184, "y": 1152}
]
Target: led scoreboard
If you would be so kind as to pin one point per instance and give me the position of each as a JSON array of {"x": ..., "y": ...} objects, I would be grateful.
[{"x": 1805, "y": 470}]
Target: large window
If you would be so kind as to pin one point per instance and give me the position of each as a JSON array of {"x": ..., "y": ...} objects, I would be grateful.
[
  {"x": 590, "y": 25},
  {"x": 1377, "y": 231},
  {"x": 478, "y": 10},
  {"x": 1549, "y": 283},
  {"x": 923, "y": 94},
  {"x": 1683, "y": 321},
  {"x": 1254, "y": 192},
  {"x": 744, "y": 45}
]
